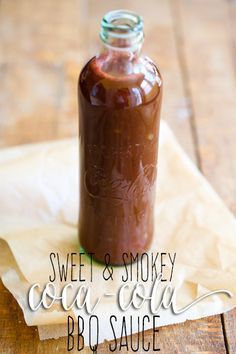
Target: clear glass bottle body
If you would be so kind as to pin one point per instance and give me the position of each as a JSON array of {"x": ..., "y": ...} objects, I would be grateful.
[{"x": 119, "y": 94}]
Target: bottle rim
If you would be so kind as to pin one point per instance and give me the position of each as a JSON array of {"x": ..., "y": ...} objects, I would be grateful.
[{"x": 122, "y": 24}]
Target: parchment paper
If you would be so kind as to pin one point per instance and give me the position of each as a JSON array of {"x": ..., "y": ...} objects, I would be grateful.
[{"x": 38, "y": 215}]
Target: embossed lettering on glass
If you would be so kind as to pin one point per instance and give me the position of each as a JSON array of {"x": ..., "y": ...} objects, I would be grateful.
[{"x": 119, "y": 94}]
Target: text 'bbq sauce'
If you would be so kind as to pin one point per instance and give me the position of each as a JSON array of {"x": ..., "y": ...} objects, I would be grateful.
[{"x": 119, "y": 114}]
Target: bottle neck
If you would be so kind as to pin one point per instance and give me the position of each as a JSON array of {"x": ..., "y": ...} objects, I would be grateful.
[{"x": 122, "y": 32}]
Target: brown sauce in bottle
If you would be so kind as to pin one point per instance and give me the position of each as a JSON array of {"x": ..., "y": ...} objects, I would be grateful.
[{"x": 119, "y": 115}]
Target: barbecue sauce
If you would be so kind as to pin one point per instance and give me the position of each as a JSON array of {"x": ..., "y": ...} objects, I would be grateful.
[{"x": 119, "y": 94}]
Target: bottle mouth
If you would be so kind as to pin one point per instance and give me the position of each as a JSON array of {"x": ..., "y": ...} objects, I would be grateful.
[{"x": 122, "y": 29}]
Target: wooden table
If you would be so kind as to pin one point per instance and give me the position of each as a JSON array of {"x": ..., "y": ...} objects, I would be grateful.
[{"x": 43, "y": 46}]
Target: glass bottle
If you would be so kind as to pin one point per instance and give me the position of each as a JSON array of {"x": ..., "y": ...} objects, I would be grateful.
[{"x": 119, "y": 93}]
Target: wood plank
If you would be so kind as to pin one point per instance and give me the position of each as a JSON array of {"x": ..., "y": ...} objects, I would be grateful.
[
  {"x": 229, "y": 318},
  {"x": 62, "y": 79},
  {"x": 202, "y": 336},
  {"x": 212, "y": 84},
  {"x": 16, "y": 337},
  {"x": 42, "y": 51},
  {"x": 39, "y": 71},
  {"x": 232, "y": 29},
  {"x": 229, "y": 323},
  {"x": 13, "y": 331}
]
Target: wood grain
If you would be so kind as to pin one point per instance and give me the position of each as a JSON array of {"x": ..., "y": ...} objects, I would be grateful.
[
  {"x": 43, "y": 51},
  {"x": 193, "y": 337},
  {"x": 229, "y": 323},
  {"x": 212, "y": 85},
  {"x": 211, "y": 82},
  {"x": 43, "y": 48},
  {"x": 229, "y": 318}
]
